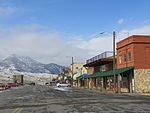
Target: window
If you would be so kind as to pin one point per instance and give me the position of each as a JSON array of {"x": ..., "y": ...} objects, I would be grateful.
[
  {"x": 120, "y": 59},
  {"x": 125, "y": 58},
  {"x": 129, "y": 56}
]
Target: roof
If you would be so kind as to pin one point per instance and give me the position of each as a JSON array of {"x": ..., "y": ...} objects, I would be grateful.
[
  {"x": 134, "y": 39},
  {"x": 82, "y": 76},
  {"x": 79, "y": 77},
  {"x": 111, "y": 73},
  {"x": 108, "y": 73}
]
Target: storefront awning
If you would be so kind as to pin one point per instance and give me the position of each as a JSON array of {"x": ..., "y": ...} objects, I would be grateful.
[
  {"x": 69, "y": 77},
  {"x": 82, "y": 76},
  {"x": 110, "y": 73},
  {"x": 79, "y": 77}
]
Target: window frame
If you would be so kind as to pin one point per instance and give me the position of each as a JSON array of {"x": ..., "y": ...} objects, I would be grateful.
[
  {"x": 125, "y": 58},
  {"x": 120, "y": 59},
  {"x": 129, "y": 56}
]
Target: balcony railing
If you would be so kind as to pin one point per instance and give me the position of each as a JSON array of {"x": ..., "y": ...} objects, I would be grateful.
[{"x": 100, "y": 56}]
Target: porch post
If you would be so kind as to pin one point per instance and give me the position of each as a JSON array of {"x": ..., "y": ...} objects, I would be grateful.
[
  {"x": 119, "y": 84},
  {"x": 92, "y": 82},
  {"x": 96, "y": 83},
  {"x": 87, "y": 82},
  {"x": 102, "y": 83},
  {"x": 130, "y": 81}
]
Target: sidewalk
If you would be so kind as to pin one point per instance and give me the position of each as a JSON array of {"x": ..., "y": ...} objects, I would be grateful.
[{"x": 109, "y": 92}]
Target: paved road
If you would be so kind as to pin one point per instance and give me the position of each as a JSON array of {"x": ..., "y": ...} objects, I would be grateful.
[{"x": 46, "y": 99}]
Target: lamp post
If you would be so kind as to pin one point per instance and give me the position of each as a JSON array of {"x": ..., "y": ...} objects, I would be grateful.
[
  {"x": 114, "y": 60},
  {"x": 72, "y": 62},
  {"x": 72, "y": 70}
]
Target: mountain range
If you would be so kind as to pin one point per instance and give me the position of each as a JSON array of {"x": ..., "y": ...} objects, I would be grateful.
[{"x": 26, "y": 64}]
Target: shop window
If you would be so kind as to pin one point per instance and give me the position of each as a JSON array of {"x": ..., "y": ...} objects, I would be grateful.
[
  {"x": 120, "y": 59},
  {"x": 125, "y": 58},
  {"x": 129, "y": 56}
]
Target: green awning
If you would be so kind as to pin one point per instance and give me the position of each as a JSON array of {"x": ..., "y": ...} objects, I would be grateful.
[
  {"x": 79, "y": 77},
  {"x": 111, "y": 73},
  {"x": 69, "y": 77}
]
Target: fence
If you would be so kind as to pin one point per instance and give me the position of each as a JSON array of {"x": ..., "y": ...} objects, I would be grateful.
[{"x": 100, "y": 56}]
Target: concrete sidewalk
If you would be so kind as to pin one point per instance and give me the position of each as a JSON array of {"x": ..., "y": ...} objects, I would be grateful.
[{"x": 109, "y": 92}]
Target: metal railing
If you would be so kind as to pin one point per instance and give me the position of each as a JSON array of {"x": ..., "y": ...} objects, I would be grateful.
[{"x": 100, "y": 56}]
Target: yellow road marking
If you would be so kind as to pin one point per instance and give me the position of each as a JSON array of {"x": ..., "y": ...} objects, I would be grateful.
[
  {"x": 14, "y": 111},
  {"x": 145, "y": 94},
  {"x": 17, "y": 110}
]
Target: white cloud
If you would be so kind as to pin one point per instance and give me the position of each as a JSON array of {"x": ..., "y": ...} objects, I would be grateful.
[
  {"x": 79, "y": 38},
  {"x": 42, "y": 45},
  {"x": 96, "y": 46},
  {"x": 47, "y": 46},
  {"x": 144, "y": 30},
  {"x": 7, "y": 10},
  {"x": 120, "y": 21}
]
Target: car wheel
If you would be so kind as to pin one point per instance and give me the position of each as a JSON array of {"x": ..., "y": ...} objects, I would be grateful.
[{"x": 59, "y": 86}]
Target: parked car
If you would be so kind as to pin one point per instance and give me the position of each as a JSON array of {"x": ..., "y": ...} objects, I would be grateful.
[
  {"x": 12, "y": 85},
  {"x": 63, "y": 84}
]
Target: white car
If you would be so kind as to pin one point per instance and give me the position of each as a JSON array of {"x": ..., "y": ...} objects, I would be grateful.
[{"x": 63, "y": 85}]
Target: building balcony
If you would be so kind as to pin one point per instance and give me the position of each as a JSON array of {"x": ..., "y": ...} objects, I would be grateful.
[{"x": 100, "y": 56}]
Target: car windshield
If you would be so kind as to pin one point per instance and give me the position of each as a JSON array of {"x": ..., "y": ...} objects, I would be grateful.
[{"x": 63, "y": 83}]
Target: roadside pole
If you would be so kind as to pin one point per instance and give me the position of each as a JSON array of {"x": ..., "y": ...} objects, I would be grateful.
[
  {"x": 72, "y": 71},
  {"x": 114, "y": 60}
]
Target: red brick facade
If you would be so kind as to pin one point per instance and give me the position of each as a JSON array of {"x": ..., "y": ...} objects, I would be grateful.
[{"x": 134, "y": 51}]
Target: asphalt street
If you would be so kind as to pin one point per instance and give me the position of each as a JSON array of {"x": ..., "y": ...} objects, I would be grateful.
[{"x": 47, "y": 99}]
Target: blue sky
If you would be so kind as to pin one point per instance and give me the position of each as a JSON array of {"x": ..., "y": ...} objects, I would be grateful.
[
  {"x": 72, "y": 20},
  {"x": 81, "y": 17}
]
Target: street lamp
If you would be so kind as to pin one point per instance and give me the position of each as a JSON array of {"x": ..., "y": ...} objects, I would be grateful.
[
  {"x": 114, "y": 60},
  {"x": 72, "y": 62},
  {"x": 72, "y": 71}
]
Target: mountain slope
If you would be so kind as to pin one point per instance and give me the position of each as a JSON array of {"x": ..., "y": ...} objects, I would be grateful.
[{"x": 26, "y": 64}]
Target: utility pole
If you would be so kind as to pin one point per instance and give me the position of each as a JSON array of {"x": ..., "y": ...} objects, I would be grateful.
[
  {"x": 72, "y": 71},
  {"x": 114, "y": 60}
]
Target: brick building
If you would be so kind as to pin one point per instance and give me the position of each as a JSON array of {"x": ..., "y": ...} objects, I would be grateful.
[{"x": 135, "y": 51}]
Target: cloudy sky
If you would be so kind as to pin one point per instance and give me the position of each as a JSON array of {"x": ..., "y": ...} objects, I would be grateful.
[{"x": 55, "y": 30}]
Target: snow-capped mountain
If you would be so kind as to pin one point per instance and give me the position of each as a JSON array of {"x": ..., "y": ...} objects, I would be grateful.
[{"x": 26, "y": 64}]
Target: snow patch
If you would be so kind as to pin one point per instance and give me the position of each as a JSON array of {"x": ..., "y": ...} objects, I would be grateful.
[{"x": 62, "y": 88}]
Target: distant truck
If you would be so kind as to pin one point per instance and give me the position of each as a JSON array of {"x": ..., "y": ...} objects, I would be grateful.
[{"x": 18, "y": 78}]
